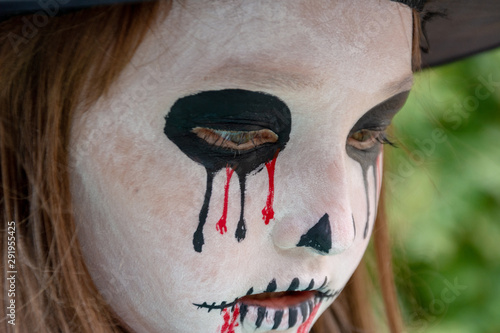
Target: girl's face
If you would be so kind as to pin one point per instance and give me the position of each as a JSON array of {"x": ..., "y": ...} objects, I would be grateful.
[{"x": 229, "y": 182}]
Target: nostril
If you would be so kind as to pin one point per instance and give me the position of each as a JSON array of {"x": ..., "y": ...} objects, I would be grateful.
[{"x": 319, "y": 237}]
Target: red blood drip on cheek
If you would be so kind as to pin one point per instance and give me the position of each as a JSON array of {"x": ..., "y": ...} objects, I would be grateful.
[
  {"x": 230, "y": 323},
  {"x": 306, "y": 326},
  {"x": 221, "y": 225},
  {"x": 268, "y": 211}
]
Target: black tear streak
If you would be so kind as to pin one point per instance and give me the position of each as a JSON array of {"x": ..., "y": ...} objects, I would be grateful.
[
  {"x": 198, "y": 240},
  {"x": 241, "y": 229}
]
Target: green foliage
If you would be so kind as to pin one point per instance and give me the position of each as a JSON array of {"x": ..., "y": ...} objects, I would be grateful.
[{"x": 443, "y": 188}]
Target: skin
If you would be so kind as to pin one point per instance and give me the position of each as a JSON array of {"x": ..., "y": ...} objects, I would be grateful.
[{"x": 137, "y": 196}]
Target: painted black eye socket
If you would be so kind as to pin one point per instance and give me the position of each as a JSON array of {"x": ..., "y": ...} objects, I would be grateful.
[
  {"x": 233, "y": 129},
  {"x": 237, "y": 128},
  {"x": 369, "y": 130}
]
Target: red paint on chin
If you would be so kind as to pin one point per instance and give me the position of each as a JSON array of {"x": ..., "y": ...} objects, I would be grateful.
[
  {"x": 268, "y": 211},
  {"x": 306, "y": 326},
  {"x": 230, "y": 323},
  {"x": 221, "y": 225}
]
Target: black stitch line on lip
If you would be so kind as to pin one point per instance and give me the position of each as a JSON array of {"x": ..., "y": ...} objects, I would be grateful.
[
  {"x": 294, "y": 285},
  {"x": 243, "y": 312},
  {"x": 354, "y": 226},
  {"x": 311, "y": 306},
  {"x": 223, "y": 305},
  {"x": 271, "y": 286},
  {"x": 278, "y": 315},
  {"x": 261, "y": 312},
  {"x": 310, "y": 286},
  {"x": 292, "y": 316},
  {"x": 324, "y": 283},
  {"x": 303, "y": 310},
  {"x": 321, "y": 294}
]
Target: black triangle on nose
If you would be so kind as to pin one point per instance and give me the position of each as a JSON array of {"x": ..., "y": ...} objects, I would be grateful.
[{"x": 319, "y": 237}]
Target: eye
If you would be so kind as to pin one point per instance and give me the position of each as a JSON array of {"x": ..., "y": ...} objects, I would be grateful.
[
  {"x": 365, "y": 139},
  {"x": 235, "y": 140}
]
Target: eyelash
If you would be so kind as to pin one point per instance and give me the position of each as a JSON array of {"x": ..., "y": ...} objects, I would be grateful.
[
  {"x": 235, "y": 140},
  {"x": 375, "y": 136},
  {"x": 246, "y": 140}
]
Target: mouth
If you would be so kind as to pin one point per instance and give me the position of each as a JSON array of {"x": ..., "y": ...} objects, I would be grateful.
[{"x": 277, "y": 310}]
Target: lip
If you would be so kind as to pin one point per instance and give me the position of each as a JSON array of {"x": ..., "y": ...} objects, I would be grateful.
[{"x": 279, "y": 310}]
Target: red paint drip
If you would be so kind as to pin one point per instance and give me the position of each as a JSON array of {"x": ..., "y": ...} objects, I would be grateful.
[
  {"x": 268, "y": 211},
  {"x": 230, "y": 323},
  {"x": 221, "y": 225},
  {"x": 306, "y": 326}
]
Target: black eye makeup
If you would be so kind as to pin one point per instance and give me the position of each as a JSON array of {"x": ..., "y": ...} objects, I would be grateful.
[
  {"x": 369, "y": 131},
  {"x": 238, "y": 130},
  {"x": 363, "y": 144}
]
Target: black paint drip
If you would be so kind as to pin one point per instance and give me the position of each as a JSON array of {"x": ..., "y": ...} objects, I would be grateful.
[
  {"x": 379, "y": 117},
  {"x": 230, "y": 110},
  {"x": 319, "y": 237},
  {"x": 366, "y": 159}
]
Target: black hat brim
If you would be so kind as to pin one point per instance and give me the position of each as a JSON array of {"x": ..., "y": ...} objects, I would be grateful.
[
  {"x": 453, "y": 29},
  {"x": 456, "y": 29}
]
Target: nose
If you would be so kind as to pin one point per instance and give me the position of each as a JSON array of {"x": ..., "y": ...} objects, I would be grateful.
[{"x": 316, "y": 216}]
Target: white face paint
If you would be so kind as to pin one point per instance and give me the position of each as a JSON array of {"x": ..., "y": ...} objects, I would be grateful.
[{"x": 137, "y": 195}]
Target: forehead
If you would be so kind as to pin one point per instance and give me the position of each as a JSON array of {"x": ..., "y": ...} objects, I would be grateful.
[{"x": 357, "y": 44}]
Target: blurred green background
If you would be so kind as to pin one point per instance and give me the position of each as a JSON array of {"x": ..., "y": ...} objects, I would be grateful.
[{"x": 443, "y": 189}]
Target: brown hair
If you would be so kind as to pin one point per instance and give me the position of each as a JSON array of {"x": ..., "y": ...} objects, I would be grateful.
[{"x": 45, "y": 74}]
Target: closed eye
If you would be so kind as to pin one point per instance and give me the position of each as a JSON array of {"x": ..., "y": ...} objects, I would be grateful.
[
  {"x": 235, "y": 140},
  {"x": 366, "y": 138}
]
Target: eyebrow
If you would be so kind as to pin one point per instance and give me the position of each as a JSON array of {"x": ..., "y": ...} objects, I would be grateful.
[
  {"x": 261, "y": 76},
  {"x": 396, "y": 87},
  {"x": 249, "y": 73}
]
